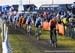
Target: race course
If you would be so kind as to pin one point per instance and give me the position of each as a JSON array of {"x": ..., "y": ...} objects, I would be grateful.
[{"x": 22, "y": 43}]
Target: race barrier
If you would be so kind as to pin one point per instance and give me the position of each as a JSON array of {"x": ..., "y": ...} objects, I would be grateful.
[
  {"x": 45, "y": 26},
  {"x": 4, "y": 35},
  {"x": 60, "y": 29}
]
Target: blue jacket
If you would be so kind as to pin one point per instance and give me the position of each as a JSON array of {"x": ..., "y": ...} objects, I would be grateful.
[
  {"x": 28, "y": 19},
  {"x": 37, "y": 19}
]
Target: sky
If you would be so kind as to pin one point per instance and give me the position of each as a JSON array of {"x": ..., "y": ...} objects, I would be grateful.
[{"x": 36, "y": 2}]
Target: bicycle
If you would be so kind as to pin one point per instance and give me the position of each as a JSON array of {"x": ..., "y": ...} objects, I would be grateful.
[
  {"x": 38, "y": 33},
  {"x": 53, "y": 36},
  {"x": 29, "y": 30}
]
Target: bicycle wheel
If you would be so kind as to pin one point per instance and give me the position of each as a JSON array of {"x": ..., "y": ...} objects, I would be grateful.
[
  {"x": 38, "y": 33},
  {"x": 29, "y": 30}
]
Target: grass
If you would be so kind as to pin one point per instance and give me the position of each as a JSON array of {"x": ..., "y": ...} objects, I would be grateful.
[
  {"x": 20, "y": 44},
  {"x": 62, "y": 40},
  {"x": 0, "y": 45}
]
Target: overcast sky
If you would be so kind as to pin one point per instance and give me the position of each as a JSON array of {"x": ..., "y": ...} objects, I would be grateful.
[{"x": 36, "y": 2}]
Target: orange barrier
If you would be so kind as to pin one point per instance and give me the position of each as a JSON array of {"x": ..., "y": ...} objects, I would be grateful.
[
  {"x": 57, "y": 27},
  {"x": 60, "y": 29},
  {"x": 45, "y": 25}
]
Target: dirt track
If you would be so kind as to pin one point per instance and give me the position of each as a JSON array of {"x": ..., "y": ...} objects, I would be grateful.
[{"x": 41, "y": 46}]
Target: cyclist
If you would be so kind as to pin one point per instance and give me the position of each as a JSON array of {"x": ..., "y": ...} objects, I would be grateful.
[
  {"x": 53, "y": 35},
  {"x": 29, "y": 23},
  {"x": 38, "y": 24}
]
